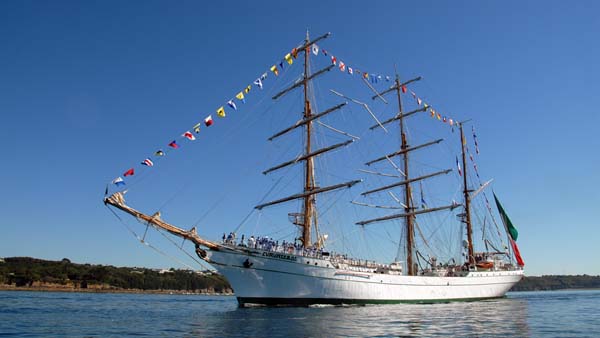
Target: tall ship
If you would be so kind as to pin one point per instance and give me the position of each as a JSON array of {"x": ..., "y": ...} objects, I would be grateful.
[{"x": 436, "y": 253}]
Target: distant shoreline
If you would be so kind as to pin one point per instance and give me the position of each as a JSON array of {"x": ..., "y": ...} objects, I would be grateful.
[
  {"x": 5, "y": 287},
  {"x": 32, "y": 274}
]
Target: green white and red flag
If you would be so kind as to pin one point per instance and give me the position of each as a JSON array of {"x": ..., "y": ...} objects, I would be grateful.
[{"x": 511, "y": 230}]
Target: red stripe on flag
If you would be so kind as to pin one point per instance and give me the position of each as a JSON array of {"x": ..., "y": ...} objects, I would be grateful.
[{"x": 517, "y": 253}]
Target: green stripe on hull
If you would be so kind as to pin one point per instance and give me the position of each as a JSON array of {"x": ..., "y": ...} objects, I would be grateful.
[{"x": 243, "y": 301}]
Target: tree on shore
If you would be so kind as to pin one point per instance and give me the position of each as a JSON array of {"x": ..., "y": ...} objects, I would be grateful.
[{"x": 24, "y": 271}]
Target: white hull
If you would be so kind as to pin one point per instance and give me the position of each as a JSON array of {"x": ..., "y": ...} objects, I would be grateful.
[{"x": 281, "y": 279}]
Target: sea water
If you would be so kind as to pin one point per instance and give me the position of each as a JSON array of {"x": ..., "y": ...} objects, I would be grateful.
[{"x": 520, "y": 314}]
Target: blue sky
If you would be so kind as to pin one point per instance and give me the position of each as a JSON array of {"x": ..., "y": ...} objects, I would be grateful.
[{"x": 89, "y": 89}]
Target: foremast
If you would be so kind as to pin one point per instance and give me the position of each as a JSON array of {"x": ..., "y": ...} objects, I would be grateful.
[
  {"x": 309, "y": 175},
  {"x": 308, "y": 218}
]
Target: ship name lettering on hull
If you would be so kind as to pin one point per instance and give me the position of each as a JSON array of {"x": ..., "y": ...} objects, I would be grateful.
[{"x": 280, "y": 256}]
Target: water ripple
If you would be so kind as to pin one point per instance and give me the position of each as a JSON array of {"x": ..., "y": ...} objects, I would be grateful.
[{"x": 43, "y": 314}]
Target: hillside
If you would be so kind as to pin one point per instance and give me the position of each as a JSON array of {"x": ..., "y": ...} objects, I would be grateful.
[
  {"x": 545, "y": 283},
  {"x": 64, "y": 275}
]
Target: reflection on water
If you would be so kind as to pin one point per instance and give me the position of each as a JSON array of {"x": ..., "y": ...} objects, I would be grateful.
[
  {"x": 43, "y": 314},
  {"x": 502, "y": 317}
]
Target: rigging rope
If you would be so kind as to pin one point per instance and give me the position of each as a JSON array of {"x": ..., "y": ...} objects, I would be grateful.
[
  {"x": 146, "y": 243},
  {"x": 211, "y": 208},
  {"x": 181, "y": 248}
]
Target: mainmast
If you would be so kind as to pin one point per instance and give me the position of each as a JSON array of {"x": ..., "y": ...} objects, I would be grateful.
[
  {"x": 409, "y": 210},
  {"x": 467, "y": 198},
  {"x": 308, "y": 218},
  {"x": 309, "y": 179},
  {"x": 410, "y": 230}
]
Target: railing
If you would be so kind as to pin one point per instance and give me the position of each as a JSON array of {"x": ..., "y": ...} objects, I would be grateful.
[
  {"x": 335, "y": 259},
  {"x": 339, "y": 260}
]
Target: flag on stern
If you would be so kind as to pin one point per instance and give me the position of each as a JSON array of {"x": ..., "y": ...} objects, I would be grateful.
[
  {"x": 517, "y": 253},
  {"x": 512, "y": 232}
]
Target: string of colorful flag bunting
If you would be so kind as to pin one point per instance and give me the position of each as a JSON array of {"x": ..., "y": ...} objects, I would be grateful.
[
  {"x": 377, "y": 78},
  {"x": 464, "y": 142},
  {"x": 433, "y": 112},
  {"x": 284, "y": 63},
  {"x": 208, "y": 121},
  {"x": 346, "y": 68}
]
